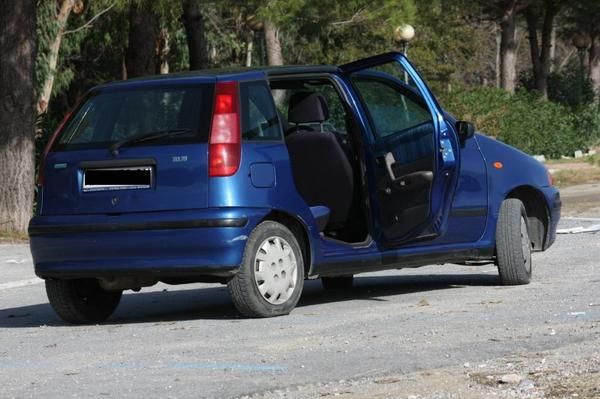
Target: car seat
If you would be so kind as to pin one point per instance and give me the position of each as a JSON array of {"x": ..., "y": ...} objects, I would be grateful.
[{"x": 322, "y": 172}]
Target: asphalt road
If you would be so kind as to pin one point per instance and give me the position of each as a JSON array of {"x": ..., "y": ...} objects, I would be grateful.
[{"x": 188, "y": 341}]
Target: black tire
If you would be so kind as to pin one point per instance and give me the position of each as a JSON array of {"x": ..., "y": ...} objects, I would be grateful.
[
  {"x": 513, "y": 246},
  {"x": 244, "y": 286},
  {"x": 82, "y": 301},
  {"x": 337, "y": 284}
]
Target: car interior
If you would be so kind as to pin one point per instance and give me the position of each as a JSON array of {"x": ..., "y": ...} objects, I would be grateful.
[{"x": 321, "y": 138}]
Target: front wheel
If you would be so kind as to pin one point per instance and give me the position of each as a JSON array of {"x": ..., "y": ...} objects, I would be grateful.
[
  {"x": 82, "y": 301},
  {"x": 271, "y": 276},
  {"x": 513, "y": 246}
]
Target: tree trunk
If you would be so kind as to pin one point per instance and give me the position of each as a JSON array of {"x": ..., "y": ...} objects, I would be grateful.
[
  {"x": 195, "y": 35},
  {"x": 540, "y": 57},
  {"x": 164, "y": 50},
  {"x": 498, "y": 58},
  {"x": 141, "y": 58},
  {"x": 64, "y": 10},
  {"x": 508, "y": 48},
  {"x": 17, "y": 112},
  {"x": 273, "y": 46},
  {"x": 595, "y": 64},
  {"x": 249, "y": 48},
  {"x": 553, "y": 50}
]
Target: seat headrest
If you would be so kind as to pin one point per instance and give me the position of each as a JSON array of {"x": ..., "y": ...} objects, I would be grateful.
[{"x": 307, "y": 107}]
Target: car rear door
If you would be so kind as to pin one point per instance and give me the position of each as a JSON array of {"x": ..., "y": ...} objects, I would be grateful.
[{"x": 414, "y": 153}]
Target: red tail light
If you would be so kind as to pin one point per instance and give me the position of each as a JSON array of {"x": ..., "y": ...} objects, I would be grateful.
[
  {"x": 224, "y": 151},
  {"x": 40, "y": 179}
]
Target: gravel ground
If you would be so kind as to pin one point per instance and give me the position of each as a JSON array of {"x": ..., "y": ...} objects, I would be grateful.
[{"x": 435, "y": 332}]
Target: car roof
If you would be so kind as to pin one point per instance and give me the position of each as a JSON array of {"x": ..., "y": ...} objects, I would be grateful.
[{"x": 210, "y": 75}]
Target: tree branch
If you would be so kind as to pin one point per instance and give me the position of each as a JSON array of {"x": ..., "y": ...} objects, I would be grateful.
[
  {"x": 89, "y": 23},
  {"x": 352, "y": 20}
]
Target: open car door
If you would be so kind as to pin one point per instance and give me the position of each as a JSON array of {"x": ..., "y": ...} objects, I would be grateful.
[{"x": 413, "y": 156}]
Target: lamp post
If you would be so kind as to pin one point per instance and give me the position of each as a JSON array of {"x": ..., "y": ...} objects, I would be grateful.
[
  {"x": 403, "y": 34},
  {"x": 582, "y": 43}
]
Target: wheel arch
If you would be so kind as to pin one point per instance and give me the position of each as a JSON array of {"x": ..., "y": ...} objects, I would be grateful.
[
  {"x": 538, "y": 215},
  {"x": 300, "y": 231}
]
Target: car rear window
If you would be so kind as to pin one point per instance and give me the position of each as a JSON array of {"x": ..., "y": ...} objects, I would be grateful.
[{"x": 111, "y": 116}]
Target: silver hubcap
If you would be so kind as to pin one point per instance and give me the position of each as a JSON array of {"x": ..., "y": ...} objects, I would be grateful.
[
  {"x": 526, "y": 245},
  {"x": 275, "y": 270}
]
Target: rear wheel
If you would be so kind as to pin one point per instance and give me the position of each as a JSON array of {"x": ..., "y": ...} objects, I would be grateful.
[
  {"x": 82, "y": 301},
  {"x": 271, "y": 276},
  {"x": 337, "y": 284},
  {"x": 513, "y": 246}
]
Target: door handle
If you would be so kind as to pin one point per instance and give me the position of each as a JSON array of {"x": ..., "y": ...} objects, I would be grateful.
[
  {"x": 390, "y": 161},
  {"x": 413, "y": 181}
]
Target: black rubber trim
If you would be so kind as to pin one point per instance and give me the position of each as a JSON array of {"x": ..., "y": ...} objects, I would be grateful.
[
  {"x": 134, "y": 226},
  {"x": 117, "y": 163},
  {"x": 467, "y": 212},
  {"x": 402, "y": 261},
  {"x": 157, "y": 272}
]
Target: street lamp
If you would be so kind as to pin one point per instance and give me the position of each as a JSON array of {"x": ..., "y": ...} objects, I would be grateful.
[
  {"x": 582, "y": 43},
  {"x": 403, "y": 34}
]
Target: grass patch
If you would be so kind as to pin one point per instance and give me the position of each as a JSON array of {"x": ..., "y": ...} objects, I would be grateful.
[
  {"x": 566, "y": 177},
  {"x": 563, "y": 161},
  {"x": 594, "y": 159},
  {"x": 13, "y": 237}
]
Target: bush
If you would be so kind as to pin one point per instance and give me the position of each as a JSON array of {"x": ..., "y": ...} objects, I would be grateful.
[
  {"x": 526, "y": 121},
  {"x": 567, "y": 87},
  {"x": 587, "y": 123}
]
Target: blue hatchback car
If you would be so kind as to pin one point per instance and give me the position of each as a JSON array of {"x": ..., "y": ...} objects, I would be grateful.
[{"x": 262, "y": 178}]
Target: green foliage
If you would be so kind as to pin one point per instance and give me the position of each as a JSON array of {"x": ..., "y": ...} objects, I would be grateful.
[
  {"x": 333, "y": 31},
  {"x": 526, "y": 121},
  {"x": 568, "y": 87},
  {"x": 587, "y": 123},
  {"x": 452, "y": 48},
  {"x": 444, "y": 44}
]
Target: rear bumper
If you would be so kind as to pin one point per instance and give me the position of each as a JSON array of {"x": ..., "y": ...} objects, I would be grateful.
[
  {"x": 207, "y": 242},
  {"x": 554, "y": 206}
]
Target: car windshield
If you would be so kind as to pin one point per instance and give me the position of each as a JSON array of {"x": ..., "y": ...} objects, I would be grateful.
[{"x": 118, "y": 116}]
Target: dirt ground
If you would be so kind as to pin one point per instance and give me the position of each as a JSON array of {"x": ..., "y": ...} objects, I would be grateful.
[
  {"x": 581, "y": 200},
  {"x": 572, "y": 371}
]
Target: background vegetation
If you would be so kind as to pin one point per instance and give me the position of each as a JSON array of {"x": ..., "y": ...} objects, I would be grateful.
[{"x": 457, "y": 48}]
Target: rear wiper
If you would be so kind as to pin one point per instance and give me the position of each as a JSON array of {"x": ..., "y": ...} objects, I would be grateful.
[{"x": 147, "y": 136}]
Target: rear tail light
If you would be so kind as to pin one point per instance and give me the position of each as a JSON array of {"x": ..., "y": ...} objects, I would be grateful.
[
  {"x": 40, "y": 179},
  {"x": 224, "y": 151}
]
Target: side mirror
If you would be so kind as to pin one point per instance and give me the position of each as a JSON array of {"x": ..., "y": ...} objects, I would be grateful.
[{"x": 465, "y": 130}]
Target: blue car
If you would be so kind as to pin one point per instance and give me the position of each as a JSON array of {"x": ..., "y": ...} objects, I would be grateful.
[{"x": 262, "y": 178}]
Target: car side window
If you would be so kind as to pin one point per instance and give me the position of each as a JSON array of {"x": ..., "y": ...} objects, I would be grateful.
[
  {"x": 391, "y": 110},
  {"x": 336, "y": 121},
  {"x": 259, "y": 115}
]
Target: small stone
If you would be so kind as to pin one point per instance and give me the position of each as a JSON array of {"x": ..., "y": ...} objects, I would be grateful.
[
  {"x": 510, "y": 379},
  {"x": 540, "y": 158},
  {"x": 423, "y": 302},
  {"x": 526, "y": 385},
  {"x": 578, "y": 154}
]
